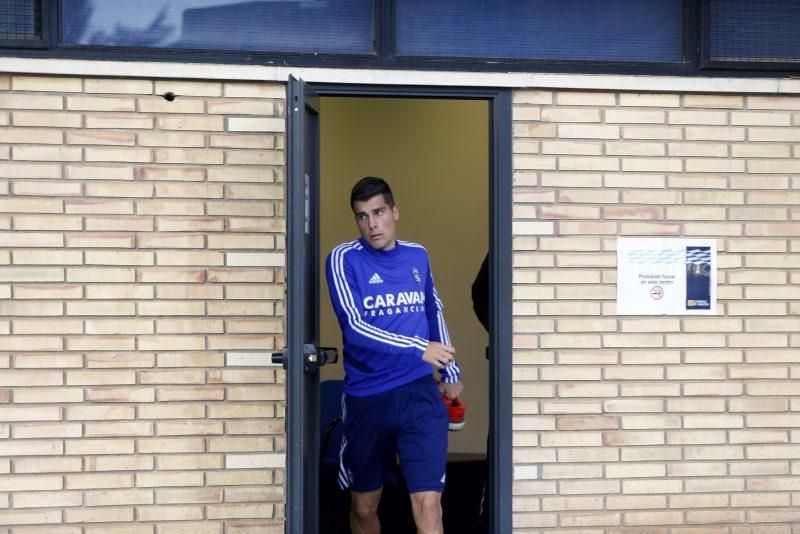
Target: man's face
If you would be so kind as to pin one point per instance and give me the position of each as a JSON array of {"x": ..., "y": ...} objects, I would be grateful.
[{"x": 377, "y": 222}]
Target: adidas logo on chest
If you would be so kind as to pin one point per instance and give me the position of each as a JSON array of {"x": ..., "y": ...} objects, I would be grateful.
[{"x": 376, "y": 279}]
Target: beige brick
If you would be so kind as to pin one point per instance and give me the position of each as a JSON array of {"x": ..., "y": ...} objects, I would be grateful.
[
  {"x": 118, "y": 497},
  {"x": 31, "y": 448},
  {"x": 46, "y": 222},
  {"x": 47, "y": 499},
  {"x": 47, "y": 360},
  {"x": 246, "y": 124},
  {"x": 169, "y": 513},
  {"x": 190, "y": 393},
  {"x": 101, "y": 480},
  {"x": 774, "y": 134},
  {"x": 120, "y": 154},
  {"x": 195, "y": 291},
  {"x": 242, "y": 141},
  {"x": 117, "y": 86},
  {"x": 99, "y": 206},
  {"x": 182, "y": 88},
  {"x": 100, "y": 308},
  {"x": 98, "y": 172},
  {"x": 159, "y": 343},
  {"x": 255, "y": 90},
  {"x": 565, "y": 115},
  {"x": 172, "y": 139},
  {"x": 191, "y": 359},
  {"x": 241, "y": 107},
  {"x": 204, "y": 527},
  {"x": 717, "y": 133},
  {"x": 49, "y": 119},
  {"x": 193, "y": 123},
  {"x": 118, "y": 258},
  {"x": 120, "y": 394},
  {"x": 160, "y": 207},
  {"x": 241, "y": 208},
  {"x": 241, "y": 174},
  {"x": 653, "y": 518},
  {"x": 101, "y": 103},
  {"x": 184, "y": 174},
  {"x": 30, "y": 517},
  {"x": 48, "y": 395},
  {"x": 30, "y": 413},
  {"x": 189, "y": 428},
  {"x": 113, "y": 429},
  {"x": 776, "y": 102},
  {"x": 201, "y": 156},
  {"x": 228, "y": 511},
  {"x": 262, "y": 494},
  {"x": 118, "y": 121},
  {"x": 46, "y": 83},
  {"x": 32, "y": 135},
  {"x": 582, "y": 131},
  {"x": 190, "y": 224},
  {"x": 698, "y": 117},
  {"x": 23, "y": 101},
  {"x": 164, "y": 240},
  {"x": 119, "y": 463},
  {"x": 749, "y": 118},
  {"x": 98, "y": 515},
  {"x": 31, "y": 482},
  {"x": 156, "y": 104},
  {"x": 174, "y": 445},
  {"x": 119, "y": 291},
  {"x": 532, "y": 97},
  {"x": 181, "y": 462},
  {"x": 46, "y": 153}
]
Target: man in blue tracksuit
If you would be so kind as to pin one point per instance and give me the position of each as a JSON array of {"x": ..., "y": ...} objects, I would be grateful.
[{"x": 394, "y": 337}]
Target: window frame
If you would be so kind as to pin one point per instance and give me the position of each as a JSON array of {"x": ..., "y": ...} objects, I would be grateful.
[
  {"x": 48, "y": 33},
  {"x": 685, "y": 25},
  {"x": 692, "y": 63},
  {"x": 706, "y": 62}
]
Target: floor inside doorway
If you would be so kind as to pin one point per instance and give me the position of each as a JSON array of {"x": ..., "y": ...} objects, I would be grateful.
[{"x": 461, "y": 501}]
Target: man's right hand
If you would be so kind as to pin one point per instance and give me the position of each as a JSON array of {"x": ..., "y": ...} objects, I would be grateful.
[{"x": 439, "y": 354}]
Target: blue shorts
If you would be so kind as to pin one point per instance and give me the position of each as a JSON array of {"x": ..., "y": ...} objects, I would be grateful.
[{"x": 409, "y": 422}]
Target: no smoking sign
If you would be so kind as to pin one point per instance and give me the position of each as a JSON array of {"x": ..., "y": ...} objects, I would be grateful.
[{"x": 656, "y": 292}]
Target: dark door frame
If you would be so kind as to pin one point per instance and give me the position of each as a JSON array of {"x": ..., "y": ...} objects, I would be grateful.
[{"x": 500, "y": 265}]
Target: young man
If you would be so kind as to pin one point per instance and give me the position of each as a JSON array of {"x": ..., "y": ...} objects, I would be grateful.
[{"x": 394, "y": 337}]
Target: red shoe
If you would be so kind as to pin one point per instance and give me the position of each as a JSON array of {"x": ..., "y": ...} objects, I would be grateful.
[{"x": 455, "y": 411}]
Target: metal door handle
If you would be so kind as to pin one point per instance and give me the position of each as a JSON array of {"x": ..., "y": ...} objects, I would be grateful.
[{"x": 313, "y": 357}]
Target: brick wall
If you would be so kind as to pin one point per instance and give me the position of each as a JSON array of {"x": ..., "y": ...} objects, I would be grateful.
[
  {"x": 656, "y": 424},
  {"x": 141, "y": 256}
]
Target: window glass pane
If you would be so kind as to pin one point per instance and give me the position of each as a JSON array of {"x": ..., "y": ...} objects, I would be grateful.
[
  {"x": 21, "y": 19},
  {"x": 766, "y": 31},
  {"x": 334, "y": 26},
  {"x": 603, "y": 30}
]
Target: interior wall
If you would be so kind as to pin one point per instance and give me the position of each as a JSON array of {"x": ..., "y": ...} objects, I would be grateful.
[{"x": 435, "y": 155}]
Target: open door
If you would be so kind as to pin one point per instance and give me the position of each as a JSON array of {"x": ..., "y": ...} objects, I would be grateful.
[{"x": 302, "y": 356}]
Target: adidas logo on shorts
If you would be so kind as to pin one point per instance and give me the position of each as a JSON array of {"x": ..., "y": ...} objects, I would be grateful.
[{"x": 376, "y": 279}]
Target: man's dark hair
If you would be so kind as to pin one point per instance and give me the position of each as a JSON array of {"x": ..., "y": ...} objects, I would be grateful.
[{"x": 371, "y": 186}]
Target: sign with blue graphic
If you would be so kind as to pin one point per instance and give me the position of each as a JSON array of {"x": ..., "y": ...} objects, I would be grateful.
[{"x": 666, "y": 276}]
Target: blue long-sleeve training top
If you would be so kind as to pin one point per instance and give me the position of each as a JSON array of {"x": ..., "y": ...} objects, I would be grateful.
[{"x": 388, "y": 311}]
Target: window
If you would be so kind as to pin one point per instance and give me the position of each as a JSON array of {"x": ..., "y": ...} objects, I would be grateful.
[
  {"x": 747, "y": 32},
  {"x": 21, "y": 22},
  {"x": 593, "y": 30},
  {"x": 314, "y": 26}
]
